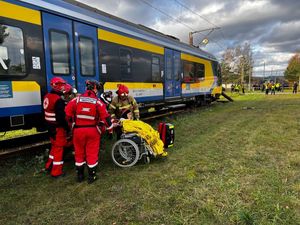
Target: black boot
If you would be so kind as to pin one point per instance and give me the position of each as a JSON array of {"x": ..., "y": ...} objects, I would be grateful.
[
  {"x": 80, "y": 173},
  {"x": 92, "y": 175}
]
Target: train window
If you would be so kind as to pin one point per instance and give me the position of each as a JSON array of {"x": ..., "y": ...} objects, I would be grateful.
[
  {"x": 12, "y": 58},
  {"x": 217, "y": 72},
  {"x": 169, "y": 67},
  {"x": 87, "y": 56},
  {"x": 189, "y": 72},
  {"x": 60, "y": 52},
  {"x": 200, "y": 71},
  {"x": 125, "y": 63},
  {"x": 155, "y": 69},
  {"x": 177, "y": 68}
]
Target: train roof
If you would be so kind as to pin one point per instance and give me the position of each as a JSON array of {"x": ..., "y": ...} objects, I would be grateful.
[{"x": 82, "y": 12}]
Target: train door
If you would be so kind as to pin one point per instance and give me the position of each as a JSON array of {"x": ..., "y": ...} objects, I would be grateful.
[
  {"x": 86, "y": 54},
  {"x": 71, "y": 51},
  {"x": 59, "y": 51},
  {"x": 172, "y": 87}
]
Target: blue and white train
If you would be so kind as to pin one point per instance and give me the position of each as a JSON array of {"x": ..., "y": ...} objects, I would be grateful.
[{"x": 42, "y": 39}]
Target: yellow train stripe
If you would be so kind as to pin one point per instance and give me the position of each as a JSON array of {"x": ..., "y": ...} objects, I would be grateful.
[
  {"x": 209, "y": 75},
  {"x": 207, "y": 63},
  {"x": 114, "y": 85},
  {"x": 130, "y": 42},
  {"x": 192, "y": 58},
  {"x": 217, "y": 90},
  {"x": 21, "y": 13},
  {"x": 207, "y": 83},
  {"x": 23, "y": 86}
]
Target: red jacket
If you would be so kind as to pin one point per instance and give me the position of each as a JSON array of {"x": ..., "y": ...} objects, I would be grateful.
[
  {"x": 54, "y": 110},
  {"x": 86, "y": 110}
]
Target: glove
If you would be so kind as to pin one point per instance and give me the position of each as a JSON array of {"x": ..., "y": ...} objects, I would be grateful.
[{"x": 110, "y": 129}]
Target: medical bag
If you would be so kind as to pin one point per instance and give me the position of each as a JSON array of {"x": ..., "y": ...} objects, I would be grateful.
[{"x": 167, "y": 135}]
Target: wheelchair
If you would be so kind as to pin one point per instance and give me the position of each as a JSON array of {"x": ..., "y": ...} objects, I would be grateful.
[{"x": 130, "y": 149}]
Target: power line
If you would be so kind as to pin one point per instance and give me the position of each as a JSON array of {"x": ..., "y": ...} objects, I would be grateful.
[
  {"x": 202, "y": 17},
  {"x": 161, "y": 11},
  {"x": 178, "y": 21}
]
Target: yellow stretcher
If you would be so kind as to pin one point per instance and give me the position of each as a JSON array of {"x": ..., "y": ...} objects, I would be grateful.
[{"x": 138, "y": 141}]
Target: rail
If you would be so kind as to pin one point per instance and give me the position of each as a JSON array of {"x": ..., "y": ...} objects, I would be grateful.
[{"x": 40, "y": 141}]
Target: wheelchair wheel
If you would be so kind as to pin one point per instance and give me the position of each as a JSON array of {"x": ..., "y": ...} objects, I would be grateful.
[{"x": 125, "y": 153}]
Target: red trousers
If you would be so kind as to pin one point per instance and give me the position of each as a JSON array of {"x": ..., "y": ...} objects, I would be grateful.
[
  {"x": 86, "y": 142},
  {"x": 56, "y": 153}
]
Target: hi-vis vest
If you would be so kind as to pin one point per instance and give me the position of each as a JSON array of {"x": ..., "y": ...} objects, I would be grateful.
[
  {"x": 86, "y": 111},
  {"x": 49, "y": 102}
]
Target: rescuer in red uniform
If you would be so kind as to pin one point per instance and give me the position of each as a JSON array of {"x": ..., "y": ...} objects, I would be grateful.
[
  {"x": 54, "y": 107},
  {"x": 86, "y": 112}
]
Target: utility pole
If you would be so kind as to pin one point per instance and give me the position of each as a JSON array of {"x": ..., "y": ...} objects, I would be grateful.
[
  {"x": 264, "y": 69},
  {"x": 271, "y": 73},
  {"x": 191, "y": 39}
]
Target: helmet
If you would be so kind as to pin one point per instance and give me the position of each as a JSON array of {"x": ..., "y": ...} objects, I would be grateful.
[
  {"x": 92, "y": 84},
  {"x": 122, "y": 90},
  {"x": 106, "y": 97},
  {"x": 58, "y": 84}
]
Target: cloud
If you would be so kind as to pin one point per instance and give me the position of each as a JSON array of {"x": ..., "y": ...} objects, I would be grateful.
[{"x": 271, "y": 26}]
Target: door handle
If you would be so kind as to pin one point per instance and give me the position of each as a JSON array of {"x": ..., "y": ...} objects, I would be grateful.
[{"x": 73, "y": 73}]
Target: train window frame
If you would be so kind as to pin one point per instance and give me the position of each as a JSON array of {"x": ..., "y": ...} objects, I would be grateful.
[
  {"x": 80, "y": 56},
  {"x": 51, "y": 51},
  {"x": 177, "y": 76},
  {"x": 129, "y": 75},
  {"x": 169, "y": 75},
  {"x": 184, "y": 72},
  {"x": 25, "y": 73},
  {"x": 199, "y": 78},
  {"x": 159, "y": 76}
]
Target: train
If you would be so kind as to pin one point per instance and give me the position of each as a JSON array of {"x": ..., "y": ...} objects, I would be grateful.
[{"x": 41, "y": 39}]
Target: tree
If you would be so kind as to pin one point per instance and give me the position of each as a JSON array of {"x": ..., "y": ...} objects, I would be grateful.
[
  {"x": 226, "y": 66},
  {"x": 292, "y": 72},
  {"x": 237, "y": 64}
]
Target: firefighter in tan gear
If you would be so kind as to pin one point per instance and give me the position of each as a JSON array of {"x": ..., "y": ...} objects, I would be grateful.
[{"x": 122, "y": 102}]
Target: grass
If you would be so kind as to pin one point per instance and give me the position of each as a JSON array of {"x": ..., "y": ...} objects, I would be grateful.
[{"x": 234, "y": 163}]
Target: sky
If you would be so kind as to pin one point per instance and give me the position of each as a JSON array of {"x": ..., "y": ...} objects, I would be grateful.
[{"x": 272, "y": 27}]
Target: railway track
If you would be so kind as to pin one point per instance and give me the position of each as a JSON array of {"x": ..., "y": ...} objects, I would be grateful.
[
  {"x": 39, "y": 142},
  {"x": 23, "y": 145}
]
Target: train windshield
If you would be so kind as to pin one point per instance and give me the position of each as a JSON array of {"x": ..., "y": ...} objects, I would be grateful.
[
  {"x": 217, "y": 72},
  {"x": 12, "y": 58}
]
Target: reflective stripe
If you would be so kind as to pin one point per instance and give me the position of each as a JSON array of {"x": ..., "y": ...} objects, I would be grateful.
[
  {"x": 88, "y": 100},
  {"x": 136, "y": 110},
  {"x": 50, "y": 118},
  {"x": 99, "y": 103},
  {"x": 58, "y": 163},
  {"x": 125, "y": 107},
  {"x": 79, "y": 164},
  {"x": 99, "y": 131},
  {"x": 49, "y": 114},
  {"x": 51, "y": 157},
  {"x": 91, "y": 166},
  {"x": 113, "y": 115},
  {"x": 111, "y": 126},
  {"x": 85, "y": 117},
  {"x": 112, "y": 106}
]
